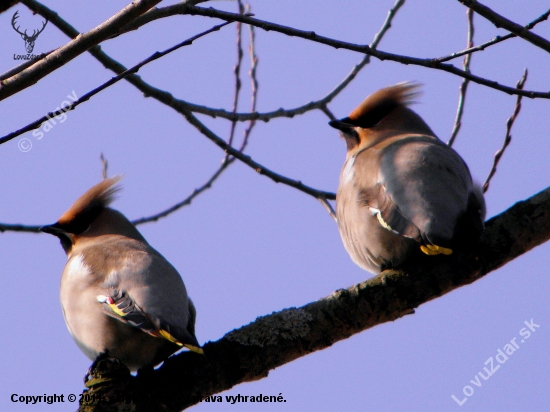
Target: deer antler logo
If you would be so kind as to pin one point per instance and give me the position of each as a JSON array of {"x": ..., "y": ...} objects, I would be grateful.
[{"x": 29, "y": 40}]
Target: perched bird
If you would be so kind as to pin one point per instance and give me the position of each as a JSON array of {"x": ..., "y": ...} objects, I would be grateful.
[
  {"x": 402, "y": 190},
  {"x": 119, "y": 295}
]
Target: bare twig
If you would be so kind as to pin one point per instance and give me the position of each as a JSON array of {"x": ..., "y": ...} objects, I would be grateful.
[
  {"x": 329, "y": 208},
  {"x": 157, "y": 55},
  {"x": 187, "y": 201},
  {"x": 237, "y": 72},
  {"x": 326, "y": 111},
  {"x": 253, "y": 80},
  {"x": 8, "y": 227},
  {"x": 277, "y": 178},
  {"x": 105, "y": 166},
  {"x": 320, "y": 104},
  {"x": 508, "y": 138},
  {"x": 464, "y": 85},
  {"x": 501, "y": 21},
  {"x": 227, "y": 159},
  {"x": 366, "y": 60},
  {"x": 496, "y": 40},
  {"x": 74, "y": 48}
]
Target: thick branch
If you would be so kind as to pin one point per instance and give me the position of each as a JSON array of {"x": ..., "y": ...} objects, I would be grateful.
[
  {"x": 501, "y": 21},
  {"x": 249, "y": 353}
]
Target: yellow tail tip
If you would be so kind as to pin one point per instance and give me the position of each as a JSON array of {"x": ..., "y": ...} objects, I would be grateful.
[
  {"x": 195, "y": 349},
  {"x": 432, "y": 250},
  {"x": 169, "y": 337}
]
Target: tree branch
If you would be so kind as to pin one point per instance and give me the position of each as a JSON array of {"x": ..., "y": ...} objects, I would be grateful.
[
  {"x": 501, "y": 21},
  {"x": 118, "y": 68},
  {"x": 277, "y": 178},
  {"x": 249, "y": 353},
  {"x": 181, "y": 108},
  {"x": 41, "y": 68},
  {"x": 187, "y": 201},
  {"x": 237, "y": 72},
  {"x": 16, "y": 227},
  {"x": 227, "y": 160},
  {"x": 496, "y": 40},
  {"x": 254, "y": 85},
  {"x": 366, "y": 60},
  {"x": 183, "y": 8},
  {"x": 508, "y": 137},
  {"x": 157, "y": 55}
]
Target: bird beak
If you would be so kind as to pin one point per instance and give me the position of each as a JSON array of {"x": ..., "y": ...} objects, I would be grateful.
[
  {"x": 344, "y": 125},
  {"x": 65, "y": 238},
  {"x": 52, "y": 229}
]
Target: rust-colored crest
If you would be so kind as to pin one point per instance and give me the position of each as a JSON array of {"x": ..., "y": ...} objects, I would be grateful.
[
  {"x": 376, "y": 106},
  {"x": 90, "y": 204}
]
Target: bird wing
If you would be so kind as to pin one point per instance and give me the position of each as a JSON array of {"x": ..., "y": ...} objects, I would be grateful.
[
  {"x": 421, "y": 190},
  {"x": 388, "y": 214},
  {"x": 139, "y": 287},
  {"x": 122, "y": 307}
]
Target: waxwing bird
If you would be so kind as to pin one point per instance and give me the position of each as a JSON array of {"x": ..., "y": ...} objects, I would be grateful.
[
  {"x": 402, "y": 190},
  {"x": 119, "y": 295}
]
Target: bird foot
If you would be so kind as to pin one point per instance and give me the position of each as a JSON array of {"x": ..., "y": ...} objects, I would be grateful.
[{"x": 103, "y": 369}]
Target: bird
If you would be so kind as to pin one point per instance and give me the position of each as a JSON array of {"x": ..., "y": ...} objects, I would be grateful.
[
  {"x": 402, "y": 191},
  {"x": 119, "y": 295}
]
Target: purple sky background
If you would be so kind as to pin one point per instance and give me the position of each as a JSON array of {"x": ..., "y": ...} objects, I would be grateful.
[{"x": 248, "y": 246}]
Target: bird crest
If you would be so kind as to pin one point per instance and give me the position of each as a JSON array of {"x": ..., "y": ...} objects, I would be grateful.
[
  {"x": 379, "y": 104},
  {"x": 88, "y": 206}
]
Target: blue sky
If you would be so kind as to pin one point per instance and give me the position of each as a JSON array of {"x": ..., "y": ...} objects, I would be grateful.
[{"x": 248, "y": 246}]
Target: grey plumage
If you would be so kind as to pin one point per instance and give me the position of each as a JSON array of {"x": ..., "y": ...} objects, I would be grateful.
[
  {"x": 118, "y": 294},
  {"x": 401, "y": 189}
]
